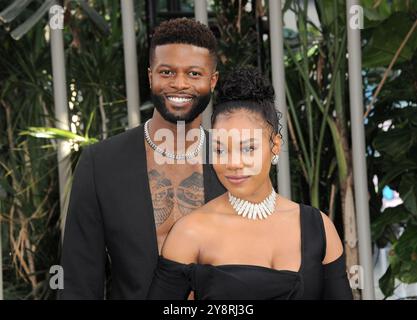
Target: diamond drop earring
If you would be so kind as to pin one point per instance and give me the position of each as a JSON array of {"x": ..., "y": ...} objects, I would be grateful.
[{"x": 275, "y": 159}]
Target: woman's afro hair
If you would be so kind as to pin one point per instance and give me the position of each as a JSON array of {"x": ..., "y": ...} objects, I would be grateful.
[{"x": 245, "y": 83}]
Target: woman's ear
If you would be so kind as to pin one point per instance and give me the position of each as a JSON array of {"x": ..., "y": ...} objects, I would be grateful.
[{"x": 276, "y": 140}]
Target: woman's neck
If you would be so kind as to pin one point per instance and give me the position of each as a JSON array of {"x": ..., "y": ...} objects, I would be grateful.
[{"x": 261, "y": 193}]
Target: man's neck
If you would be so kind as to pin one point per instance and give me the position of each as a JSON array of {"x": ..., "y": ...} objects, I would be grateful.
[{"x": 158, "y": 122}]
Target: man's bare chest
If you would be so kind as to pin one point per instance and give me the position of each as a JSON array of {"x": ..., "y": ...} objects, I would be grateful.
[{"x": 175, "y": 191}]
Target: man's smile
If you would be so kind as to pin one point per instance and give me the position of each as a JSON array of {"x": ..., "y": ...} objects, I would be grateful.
[{"x": 179, "y": 100}]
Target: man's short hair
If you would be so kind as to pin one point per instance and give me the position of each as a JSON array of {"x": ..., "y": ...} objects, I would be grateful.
[{"x": 185, "y": 31}]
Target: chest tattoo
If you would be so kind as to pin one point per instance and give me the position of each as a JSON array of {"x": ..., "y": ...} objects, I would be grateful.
[{"x": 189, "y": 194}]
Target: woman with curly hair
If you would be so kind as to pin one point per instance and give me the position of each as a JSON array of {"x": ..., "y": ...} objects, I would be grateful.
[{"x": 250, "y": 242}]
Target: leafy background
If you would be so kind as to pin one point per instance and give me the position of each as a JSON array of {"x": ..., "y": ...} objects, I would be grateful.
[{"x": 317, "y": 99}]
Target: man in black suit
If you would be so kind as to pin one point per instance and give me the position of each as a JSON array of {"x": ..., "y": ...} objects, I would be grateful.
[{"x": 123, "y": 200}]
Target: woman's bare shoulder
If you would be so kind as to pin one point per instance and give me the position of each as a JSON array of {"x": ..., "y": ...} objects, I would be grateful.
[
  {"x": 182, "y": 241},
  {"x": 334, "y": 245},
  {"x": 186, "y": 235},
  {"x": 288, "y": 207}
]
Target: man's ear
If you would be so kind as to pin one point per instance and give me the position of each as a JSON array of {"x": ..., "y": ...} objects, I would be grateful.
[
  {"x": 150, "y": 77},
  {"x": 213, "y": 80}
]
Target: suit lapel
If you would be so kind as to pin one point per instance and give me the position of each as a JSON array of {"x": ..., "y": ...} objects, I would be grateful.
[{"x": 146, "y": 197}]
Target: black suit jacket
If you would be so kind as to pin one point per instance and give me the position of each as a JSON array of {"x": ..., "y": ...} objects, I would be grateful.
[{"x": 111, "y": 209}]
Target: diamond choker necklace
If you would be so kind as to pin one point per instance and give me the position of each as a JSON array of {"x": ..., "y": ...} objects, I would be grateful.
[{"x": 251, "y": 210}]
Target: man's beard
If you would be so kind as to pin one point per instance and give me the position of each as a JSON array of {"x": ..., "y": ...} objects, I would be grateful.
[{"x": 200, "y": 103}]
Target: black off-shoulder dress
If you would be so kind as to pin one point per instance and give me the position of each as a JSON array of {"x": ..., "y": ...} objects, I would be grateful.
[{"x": 174, "y": 280}]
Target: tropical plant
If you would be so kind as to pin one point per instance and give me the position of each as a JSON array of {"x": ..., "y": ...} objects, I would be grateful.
[
  {"x": 390, "y": 68},
  {"x": 319, "y": 120},
  {"x": 319, "y": 127},
  {"x": 29, "y": 192},
  {"x": 318, "y": 104}
]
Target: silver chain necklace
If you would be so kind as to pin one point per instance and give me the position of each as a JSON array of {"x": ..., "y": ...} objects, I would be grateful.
[
  {"x": 251, "y": 210},
  {"x": 188, "y": 155}
]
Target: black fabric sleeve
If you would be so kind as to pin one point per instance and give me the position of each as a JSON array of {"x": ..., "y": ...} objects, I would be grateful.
[
  {"x": 171, "y": 281},
  {"x": 336, "y": 283},
  {"x": 83, "y": 251}
]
